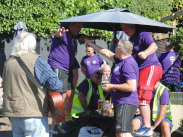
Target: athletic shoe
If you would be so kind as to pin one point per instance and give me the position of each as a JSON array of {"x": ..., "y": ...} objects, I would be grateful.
[{"x": 143, "y": 131}]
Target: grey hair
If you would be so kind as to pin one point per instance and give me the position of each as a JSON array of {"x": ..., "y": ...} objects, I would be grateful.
[
  {"x": 104, "y": 64},
  {"x": 126, "y": 45},
  {"x": 24, "y": 43}
]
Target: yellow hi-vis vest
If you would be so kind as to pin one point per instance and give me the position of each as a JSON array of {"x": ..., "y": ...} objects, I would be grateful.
[
  {"x": 76, "y": 106},
  {"x": 156, "y": 104}
]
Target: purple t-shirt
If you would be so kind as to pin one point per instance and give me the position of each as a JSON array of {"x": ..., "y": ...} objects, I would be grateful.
[
  {"x": 63, "y": 51},
  {"x": 171, "y": 66},
  {"x": 91, "y": 64},
  {"x": 126, "y": 69},
  {"x": 141, "y": 40},
  {"x": 165, "y": 97},
  {"x": 84, "y": 87}
]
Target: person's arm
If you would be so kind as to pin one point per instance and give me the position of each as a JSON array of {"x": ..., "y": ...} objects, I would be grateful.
[
  {"x": 129, "y": 86},
  {"x": 150, "y": 50},
  {"x": 105, "y": 52},
  {"x": 46, "y": 76},
  {"x": 83, "y": 70},
  {"x": 83, "y": 37},
  {"x": 161, "y": 116},
  {"x": 82, "y": 100},
  {"x": 75, "y": 77},
  {"x": 74, "y": 69},
  {"x": 1, "y": 92}
]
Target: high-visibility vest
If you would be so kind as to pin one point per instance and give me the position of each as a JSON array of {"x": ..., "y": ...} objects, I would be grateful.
[
  {"x": 156, "y": 104},
  {"x": 77, "y": 107}
]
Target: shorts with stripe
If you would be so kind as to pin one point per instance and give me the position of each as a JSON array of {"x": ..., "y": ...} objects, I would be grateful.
[
  {"x": 148, "y": 77},
  {"x": 66, "y": 77},
  {"x": 123, "y": 116}
]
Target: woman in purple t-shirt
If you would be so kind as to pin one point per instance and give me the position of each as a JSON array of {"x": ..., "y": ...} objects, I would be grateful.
[{"x": 123, "y": 85}]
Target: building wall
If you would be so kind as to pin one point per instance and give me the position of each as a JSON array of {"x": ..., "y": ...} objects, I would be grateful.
[{"x": 177, "y": 108}]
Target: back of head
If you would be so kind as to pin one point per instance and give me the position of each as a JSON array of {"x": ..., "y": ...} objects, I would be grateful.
[
  {"x": 126, "y": 45},
  {"x": 24, "y": 43},
  {"x": 169, "y": 46}
]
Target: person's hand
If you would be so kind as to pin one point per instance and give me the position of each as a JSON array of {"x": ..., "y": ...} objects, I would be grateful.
[
  {"x": 60, "y": 31},
  {"x": 152, "y": 127},
  {"x": 142, "y": 55},
  {"x": 107, "y": 87},
  {"x": 82, "y": 37},
  {"x": 1, "y": 92},
  {"x": 85, "y": 37}
]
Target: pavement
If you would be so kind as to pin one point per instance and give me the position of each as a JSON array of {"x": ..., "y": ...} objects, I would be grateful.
[{"x": 5, "y": 127}]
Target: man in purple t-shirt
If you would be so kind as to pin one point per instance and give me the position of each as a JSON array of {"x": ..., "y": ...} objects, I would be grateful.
[
  {"x": 123, "y": 85},
  {"x": 91, "y": 62},
  {"x": 150, "y": 70},
  {"x": 163, "y": 121},
  {"x": 171, "y": 64},
  {"x": 63, "y": 61}
]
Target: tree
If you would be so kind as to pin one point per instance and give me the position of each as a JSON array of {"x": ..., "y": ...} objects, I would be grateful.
[
  {"x": 177, "y": 41},
  {"x": 41, "y": 16}
]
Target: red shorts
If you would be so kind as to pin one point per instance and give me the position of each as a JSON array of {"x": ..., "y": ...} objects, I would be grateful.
[{"x": 148, "y": 77}]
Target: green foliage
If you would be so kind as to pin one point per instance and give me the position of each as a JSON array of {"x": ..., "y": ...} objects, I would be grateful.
[
  {"x": 41, "y": 16},
  {"x": 177, "y": 5},
  {"x": 153, "y": 9},
  {"x": 177, "y": 41}
]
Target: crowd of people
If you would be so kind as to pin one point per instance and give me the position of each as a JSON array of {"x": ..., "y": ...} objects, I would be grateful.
[{"x": 139, "y": 87}]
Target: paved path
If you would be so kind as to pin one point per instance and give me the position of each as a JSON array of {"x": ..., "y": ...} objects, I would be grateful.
[{"x": 5, "y": 128}]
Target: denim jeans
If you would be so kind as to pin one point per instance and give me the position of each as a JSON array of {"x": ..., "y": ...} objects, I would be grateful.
[
  {"x": 30, "y": 126},
  {"x": 158, "y": 128},
  {"x": 173, "y": 86}
]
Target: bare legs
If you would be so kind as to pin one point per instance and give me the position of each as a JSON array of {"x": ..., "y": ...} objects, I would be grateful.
[
  {"x": 165, "y": 129},
  {"x": 68, "y": 99},
  {"x": 146, "y": 115}
]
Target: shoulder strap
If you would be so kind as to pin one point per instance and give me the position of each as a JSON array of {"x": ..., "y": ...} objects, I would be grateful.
[
  {"x": 98, "y": 58},
  {"x": 36, "y": 83}
]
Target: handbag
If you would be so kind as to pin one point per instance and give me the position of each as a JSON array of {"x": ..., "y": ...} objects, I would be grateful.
[
  {"x": 89, "y": 131},
  {"x": 54, "y": 98}
]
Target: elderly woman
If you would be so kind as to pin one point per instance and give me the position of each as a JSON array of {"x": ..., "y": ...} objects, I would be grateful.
[{"x": 123, "y": 85}]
